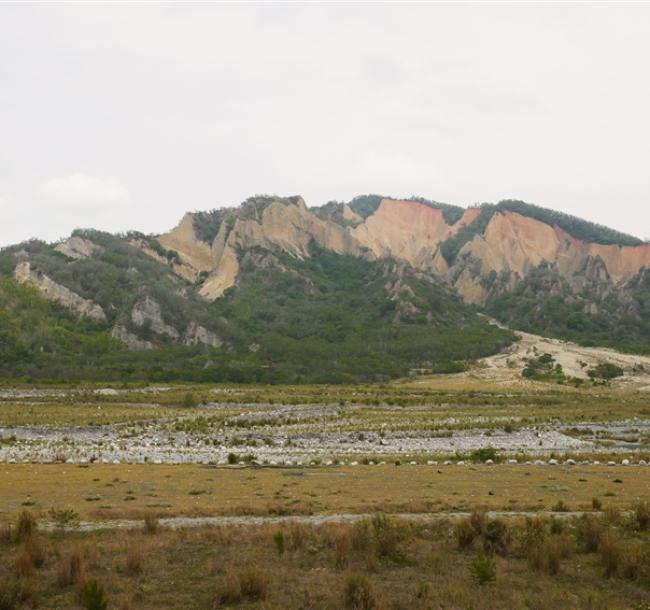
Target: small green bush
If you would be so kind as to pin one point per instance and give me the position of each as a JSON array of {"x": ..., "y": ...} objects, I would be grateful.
[
  {"x": 483, "y": 569},
  {"x": 92, "y": 596},
  {"x": 359, "y": 593},
  {"x": 278, "y": 538}
]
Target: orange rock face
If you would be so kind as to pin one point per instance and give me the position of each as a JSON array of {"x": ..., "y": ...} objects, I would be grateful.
[
  {"x": 407, "y": 230},
  {"x": 516, "y": 242}
]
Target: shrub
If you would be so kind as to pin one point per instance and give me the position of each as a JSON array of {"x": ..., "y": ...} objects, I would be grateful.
[
  {"x": 642, "y": 515},
  {"x": 341, "y": 551},
  {"x": 478, "y": 521},
  {"x": 232, "y": 458},
  {"x": 26, "y": 525},
  {"x": 589, "y": 532},
  {"x": 361, "y": 536},
  {"x": 464, "y": 532},
  {"x": 228, "y": 590},
  {"x": 612, "y": 515},
  {"x": 610, "y": 555},
  {"x": 547, "y": 556},
  {"x": 189, "y": 400},
  {"x": 560, "y": 507},
  {"x": 151, "y": 523},
  {"x": 596, "y": 504},
  {"x": 92, "y": 596},
  {"x": 387, "y": 536},
  {"x": 70, "y": 569},
  {"x": 63, "y": 517},
  {"x": 480, "y": 456},
  {"x": 23, "y": 565},
  {"x": 278, "y": 538},
  {"x": 483, "y": 569},
  {"x": 534, "y": 531},
  {"x": 254, "y": 584},
  {"x": 134, "y": 561},
  {"x": 359, "y": 593},
  {"x": 14, "y": 592},
  {"x": 297, "y": 536},
  {"x": 632, "y": 561},
  {"x": 34, "y": 548},
  {"x": 496, "y": 538}
]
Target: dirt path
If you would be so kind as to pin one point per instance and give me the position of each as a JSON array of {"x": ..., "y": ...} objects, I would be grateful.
[{"x": 247, "y": 520}]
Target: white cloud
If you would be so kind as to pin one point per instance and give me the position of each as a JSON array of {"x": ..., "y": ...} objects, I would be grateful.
[{"x": 81, "y": 190}]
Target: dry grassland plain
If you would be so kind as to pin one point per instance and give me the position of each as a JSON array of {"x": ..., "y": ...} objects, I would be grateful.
[{"x": 564, "y": 471}]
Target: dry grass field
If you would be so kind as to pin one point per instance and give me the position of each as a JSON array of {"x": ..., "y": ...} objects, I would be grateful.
[
  {"x": 573, "y": 535},
  {"x": 100, "y": 491}
]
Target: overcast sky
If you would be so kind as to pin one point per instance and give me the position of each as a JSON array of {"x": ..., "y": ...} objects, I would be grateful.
[{"x": 124, "y": 116}]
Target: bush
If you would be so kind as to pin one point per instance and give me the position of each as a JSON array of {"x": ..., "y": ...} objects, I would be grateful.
[
  {"x": 134, "y": 561},
  {"x": 560, "y": 507},
  {"x": 70, "y": 569},
  {"x": 189, "y": 400},
  {"x": 228, "y": 590},
  {"x": 480, "y": 456},
  {"x": 632, "y": 562},
  {"x": 92, "y": 596},
  {"x": 278, "y": 538},
  {"x": 23, "y": 565},
  {"x": 589, "y": 532},
  {"x": 254, "y": 584},
  {"x": 610, "y": 555},
  {"x": 151, "y": 523},
  {"x": 464, "y": 532},
  {"x": 642, "y": 515},
  {"x": 496, "y": 538},
  {"x": 359, "y": 593},
  {"x": 26, "y": 525},
  {"x": 14, "y": 592},
  {"x": 63, "y": 517},
  {"x": 387, "y": 537},
  {"x": 361, "y": 536},
  {"x": 483, "y": 569},
  {"x": 341, "y": 551}
]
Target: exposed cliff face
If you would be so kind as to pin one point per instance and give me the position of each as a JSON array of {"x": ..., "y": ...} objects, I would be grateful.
[
  {"x": 410, "y": 231},
  {"x": 77, "y": 247},
  {"x": 147, "y": 311},
  {"x": 518, "y": 244},
  {"x": 56, "y": 292},
  {"x": 130, "y": 340}
]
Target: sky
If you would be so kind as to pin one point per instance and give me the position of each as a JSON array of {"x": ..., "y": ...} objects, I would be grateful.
[{"x": 125, "y": 116}]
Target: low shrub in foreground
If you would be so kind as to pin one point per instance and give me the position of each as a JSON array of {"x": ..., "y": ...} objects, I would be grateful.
[{"x": 359, "y": 593}]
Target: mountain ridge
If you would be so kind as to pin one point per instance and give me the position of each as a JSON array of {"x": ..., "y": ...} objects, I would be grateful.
[{"x": 201, "y": 294}]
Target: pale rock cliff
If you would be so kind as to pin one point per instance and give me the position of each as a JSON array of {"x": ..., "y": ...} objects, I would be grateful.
[
  {"x": 196, "y": 334},
  {"x": 147, "y": 310},
  {"x": 78, "y": 248},
  {"x": 24, "y": 274},
  {"x": 130, "y": 340}
]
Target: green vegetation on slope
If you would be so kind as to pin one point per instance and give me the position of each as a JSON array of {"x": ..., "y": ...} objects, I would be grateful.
[
  {"x": 544, "y": 303},
  {"x": 330, "y": 318},
  {"x": 453, "y": 245}
]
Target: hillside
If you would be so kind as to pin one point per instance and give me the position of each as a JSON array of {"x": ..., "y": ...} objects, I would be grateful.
[
  {"x": 275, "y": 291},
  {"x": 327, "y": 318}
]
